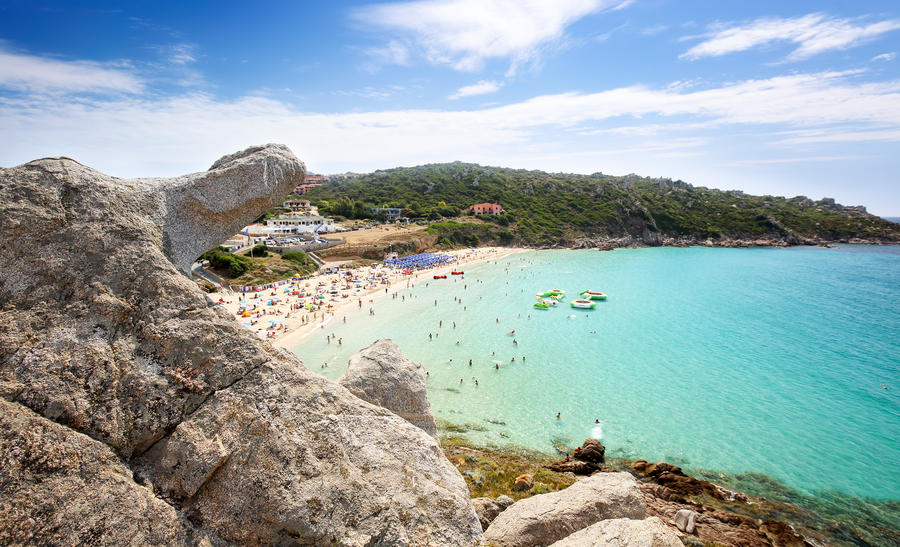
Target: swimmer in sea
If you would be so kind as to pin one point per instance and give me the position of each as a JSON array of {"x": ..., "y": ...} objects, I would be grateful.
[{"x": 558, "y": 416}]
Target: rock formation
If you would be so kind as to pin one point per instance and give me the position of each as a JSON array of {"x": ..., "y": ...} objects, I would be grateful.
[
  {"x": 546, "y": 518},
  {"x": 686, "y": 520},
  {"x": 650, "y": 532},
  {"x": 487, "y": 509},
  {"x": 106, "y": 346},
  {"x": 381, "y": 375}
]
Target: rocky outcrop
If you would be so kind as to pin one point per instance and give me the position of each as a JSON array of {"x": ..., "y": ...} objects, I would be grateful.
[
  {"x": 546, "y": 518},
  {"x": 591, "y": 450},
  {"x": 588, "y": 459},
  {"x": 381, "y": 375},
  {"x": 650, "y": 532},
  {"x": 105, "y": 341},
  {"x": 686, "y": 520},
  {"x": 60, "y": 487},
  {"x": 677, "y": 482},
  {"x": 487, "y": 509}
]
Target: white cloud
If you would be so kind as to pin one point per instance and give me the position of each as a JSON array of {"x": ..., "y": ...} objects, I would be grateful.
[
  {"x": 22, "y": 72},
  {"x": 394, "y": 53},
  {"x": 465, "y": 33},
  {"x": 813, "y": 34},
  {"x": 133, "y": 136},
  {"x": 182, "y": 54},
  {"x": 481, "y": 88},
  {"x": 886, "y": 57},
  {"x": 803, "y": 159},
  {"x": 654, "y": 30}
]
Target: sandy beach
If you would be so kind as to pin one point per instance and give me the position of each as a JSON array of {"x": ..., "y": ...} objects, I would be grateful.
[{"x": 284, "y": 317}]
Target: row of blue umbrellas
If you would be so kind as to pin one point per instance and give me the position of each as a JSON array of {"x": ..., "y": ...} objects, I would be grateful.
[{"x": 418, "y": 261}]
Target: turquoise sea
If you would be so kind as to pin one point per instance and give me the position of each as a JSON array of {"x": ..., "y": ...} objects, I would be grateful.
[{"x": 767, "y": 361}]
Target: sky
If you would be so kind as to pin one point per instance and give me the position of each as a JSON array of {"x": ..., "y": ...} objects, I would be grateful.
[{"x": 782, "y": 98}]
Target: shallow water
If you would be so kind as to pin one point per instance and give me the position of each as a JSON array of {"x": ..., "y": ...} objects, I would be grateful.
[{"x": 739, "y": 360}]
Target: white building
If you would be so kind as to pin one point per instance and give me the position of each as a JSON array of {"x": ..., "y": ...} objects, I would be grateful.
[{"x": 295, "y": 223}]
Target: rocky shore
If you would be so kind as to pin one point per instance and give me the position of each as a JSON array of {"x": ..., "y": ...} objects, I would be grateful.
[
  {"x": 134, "y": 411},
  {"x": 653, "y": 239}
]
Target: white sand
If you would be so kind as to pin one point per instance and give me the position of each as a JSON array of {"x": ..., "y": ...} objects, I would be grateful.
[{"x": 296, "y": 324}]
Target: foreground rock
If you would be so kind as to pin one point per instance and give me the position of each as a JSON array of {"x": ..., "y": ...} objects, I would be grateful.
[
  {"x": 650, "y": 532},
  {"x": 104, "y": 340},
  {"x": 60, "y": 487},
  {"x": 546, "y": 518},
  {"x": 487, "y": 509},
  {"x": 381, "y": 375}
]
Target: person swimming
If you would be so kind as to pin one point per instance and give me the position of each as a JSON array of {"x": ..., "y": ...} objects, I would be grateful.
[{"x": 558, "y": 415}]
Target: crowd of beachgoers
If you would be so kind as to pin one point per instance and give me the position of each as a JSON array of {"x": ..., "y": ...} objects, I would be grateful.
[{"x": 288, "y": 312}]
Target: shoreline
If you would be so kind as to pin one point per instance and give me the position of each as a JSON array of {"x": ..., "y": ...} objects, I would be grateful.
[
  {"x": 727, "y": 510},
  {"x": 298, "y": 324},
  {"x": 296, "y": 328},
  {"x": 799, "y": 508}
]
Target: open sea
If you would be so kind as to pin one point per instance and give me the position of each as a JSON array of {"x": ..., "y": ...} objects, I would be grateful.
[{"x": 731, "y": 363}]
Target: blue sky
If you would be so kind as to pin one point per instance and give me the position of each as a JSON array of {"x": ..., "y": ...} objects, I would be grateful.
[{"x": 783, "y": 98}]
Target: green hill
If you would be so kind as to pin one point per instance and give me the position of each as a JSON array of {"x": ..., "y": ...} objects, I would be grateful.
[{"x": 565, "y": 209}]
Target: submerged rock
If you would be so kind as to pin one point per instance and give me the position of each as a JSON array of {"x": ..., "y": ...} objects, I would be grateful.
[
  {"x": 545, "y": 518},
  {"x": 383, "y": 376},
  {"x": 106, "y": 341}
]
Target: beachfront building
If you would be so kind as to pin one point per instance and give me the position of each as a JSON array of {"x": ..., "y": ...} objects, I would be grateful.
[
  {"x": 486, "y": 208},
  {"x": 389, "y": 213},
  {"x": 297, "y": 223}
]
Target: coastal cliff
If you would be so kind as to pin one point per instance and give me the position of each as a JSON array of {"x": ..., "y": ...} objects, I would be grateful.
[{"x": 134, "y": 410}]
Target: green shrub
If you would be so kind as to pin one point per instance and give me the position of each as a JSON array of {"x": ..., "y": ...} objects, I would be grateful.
[
  {"x": 259, "y": 251},
  {"x": 220, "y": 259},
  {"x": 304, "y": 264}
]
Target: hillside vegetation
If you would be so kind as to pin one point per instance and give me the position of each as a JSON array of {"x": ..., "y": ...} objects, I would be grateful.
[{"x": 561, "y": 209}]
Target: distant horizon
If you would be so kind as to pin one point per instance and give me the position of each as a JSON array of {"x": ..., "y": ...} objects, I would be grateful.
[{"x": 769, "y": 97}]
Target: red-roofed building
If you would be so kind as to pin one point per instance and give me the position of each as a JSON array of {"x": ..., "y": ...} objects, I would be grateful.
[{"x": 487, "y": 209}]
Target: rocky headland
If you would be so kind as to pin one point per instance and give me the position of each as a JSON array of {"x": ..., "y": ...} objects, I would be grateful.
[{"x": 134, "y": 411}]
